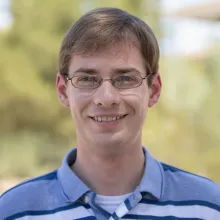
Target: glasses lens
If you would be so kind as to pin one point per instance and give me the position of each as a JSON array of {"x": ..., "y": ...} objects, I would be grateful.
[
  {"x": 127, "y": 81},
  {"x": 86, "y": 82}
]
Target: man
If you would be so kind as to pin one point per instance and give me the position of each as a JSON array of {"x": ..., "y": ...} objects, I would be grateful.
[{"x": 108, "y": 78}]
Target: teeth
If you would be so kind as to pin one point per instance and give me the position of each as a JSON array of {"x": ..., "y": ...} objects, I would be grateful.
[{"x": 107, "y": 118}]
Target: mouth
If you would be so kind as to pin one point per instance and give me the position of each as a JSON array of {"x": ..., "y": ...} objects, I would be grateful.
[{"x": 108, "y": 118}]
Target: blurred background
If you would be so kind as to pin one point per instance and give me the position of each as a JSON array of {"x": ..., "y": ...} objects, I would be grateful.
[{"x": 36, "y": 131}]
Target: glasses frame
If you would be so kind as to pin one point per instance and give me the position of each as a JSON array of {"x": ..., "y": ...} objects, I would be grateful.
[{"x": 105, "y": 79}]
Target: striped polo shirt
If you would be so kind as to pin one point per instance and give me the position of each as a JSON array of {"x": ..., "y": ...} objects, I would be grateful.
[{"x": 165, "y": 193}]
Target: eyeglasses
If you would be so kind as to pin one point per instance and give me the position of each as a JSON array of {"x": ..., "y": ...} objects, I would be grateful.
[{"x": 125, "y": 81}]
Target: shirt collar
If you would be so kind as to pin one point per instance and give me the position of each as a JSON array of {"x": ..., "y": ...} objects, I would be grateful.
[
  {"x": 153, "y": 176},
  {"x": 74, "y": 188}
]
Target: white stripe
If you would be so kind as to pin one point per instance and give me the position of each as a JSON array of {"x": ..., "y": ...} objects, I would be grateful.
[
  {"x": 194, "y": 211},
  {"x": 121, "y": 210},
  {"x": 70, "y": 214}
]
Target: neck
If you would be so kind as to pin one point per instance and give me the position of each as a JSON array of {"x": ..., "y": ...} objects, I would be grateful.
[{"x": 110, "y": 175}]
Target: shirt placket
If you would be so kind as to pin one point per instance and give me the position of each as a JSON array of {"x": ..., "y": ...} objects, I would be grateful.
[
  {"x": 126, "y": 206},
  {"x": 98, "y": 212}
]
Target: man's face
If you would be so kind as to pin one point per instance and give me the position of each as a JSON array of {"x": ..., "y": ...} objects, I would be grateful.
[{"x": 107, "y": 116}]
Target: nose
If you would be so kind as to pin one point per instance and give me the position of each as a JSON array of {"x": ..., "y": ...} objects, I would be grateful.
[{"x": 106, "y": 95}]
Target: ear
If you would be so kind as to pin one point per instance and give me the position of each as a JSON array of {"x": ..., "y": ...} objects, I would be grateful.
[
  {"x": 155, "y": 90},
  {"x": 61, "y": 88}
]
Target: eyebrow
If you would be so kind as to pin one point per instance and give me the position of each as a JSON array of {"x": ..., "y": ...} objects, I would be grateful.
[
  {"x": 85, "y": 70},
  {"x": 115, "y": 70}
]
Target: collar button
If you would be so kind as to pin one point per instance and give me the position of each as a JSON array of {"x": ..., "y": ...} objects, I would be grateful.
[{"x": 86, "y": 199}]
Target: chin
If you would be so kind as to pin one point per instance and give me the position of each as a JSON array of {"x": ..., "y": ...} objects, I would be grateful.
[{"x": 109, "y": 141}]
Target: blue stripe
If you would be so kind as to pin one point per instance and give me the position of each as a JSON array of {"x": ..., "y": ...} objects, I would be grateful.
[
  {"x": 49, "y": 176},
  {"x": 172, "y": 169},
  {"x": 45, "y": 212},
  {"x": 114, "y": 216},
  {"x": 87, "y": 218},
  {"x": 128, "y": 204},
  {"x": 100, "y": 209},
  {"x": 157, "y": 217},
  {"x": 181, "y": 203}
]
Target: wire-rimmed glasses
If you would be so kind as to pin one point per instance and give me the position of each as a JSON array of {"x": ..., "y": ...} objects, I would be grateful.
[{"x": 123, "y": 81}]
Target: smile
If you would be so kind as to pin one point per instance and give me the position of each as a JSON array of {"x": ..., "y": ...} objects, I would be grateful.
[{"x": 107, "y": 118}]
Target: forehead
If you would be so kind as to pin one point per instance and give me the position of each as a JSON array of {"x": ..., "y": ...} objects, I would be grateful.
[{"x": 117, "y": 56}]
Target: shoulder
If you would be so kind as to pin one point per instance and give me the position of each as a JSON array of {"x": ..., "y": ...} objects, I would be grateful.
[
  {"x": 183, "y": 185},
  {"x": 28, "y": 195}
]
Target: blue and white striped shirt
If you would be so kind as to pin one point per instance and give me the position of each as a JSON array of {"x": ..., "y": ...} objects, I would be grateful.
[{"x": 164, "y": 193}]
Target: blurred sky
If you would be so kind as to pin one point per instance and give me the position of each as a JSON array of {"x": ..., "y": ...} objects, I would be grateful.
[
  {"x": 187, "y": 36},
  {"x": 182, "y": 36}
]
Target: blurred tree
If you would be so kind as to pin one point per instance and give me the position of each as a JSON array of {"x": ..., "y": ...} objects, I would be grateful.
[{"x": 28, "y": 71}]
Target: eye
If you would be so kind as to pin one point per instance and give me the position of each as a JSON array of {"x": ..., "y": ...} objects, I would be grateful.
[
  {"x": 127, "y": 81},
  {"x": 126, "y": 78},
  {"x": 88, "y": 79}
]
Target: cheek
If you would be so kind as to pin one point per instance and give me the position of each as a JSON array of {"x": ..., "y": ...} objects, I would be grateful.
[
  {"x": 138, "y": 104},
  {"x": 143, "y": 106},
  {"x": 78, "y": 103},
  {"x": 137, "y": 98}
]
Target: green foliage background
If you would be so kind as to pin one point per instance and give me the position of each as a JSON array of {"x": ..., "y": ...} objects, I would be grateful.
[{"x": 36, "y": 131}]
